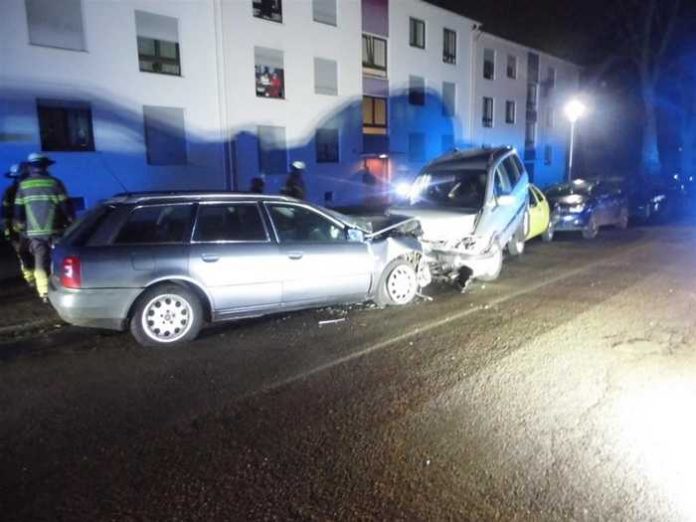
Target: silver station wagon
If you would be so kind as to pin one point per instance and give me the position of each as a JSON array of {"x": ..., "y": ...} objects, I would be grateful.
[{"x": 165, "y": 264}]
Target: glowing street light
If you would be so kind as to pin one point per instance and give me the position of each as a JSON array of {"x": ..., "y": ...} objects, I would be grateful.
[{"x": 574, "y": 110}]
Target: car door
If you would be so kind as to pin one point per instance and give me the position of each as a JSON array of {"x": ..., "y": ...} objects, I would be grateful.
[
  {"x": 604, "y": 207},
  {"x": 234, "y": 257},
  {"x": 538, "y": 213},
  {"x": 320, "y": 264},
  {"x": 508, "y": 181}
]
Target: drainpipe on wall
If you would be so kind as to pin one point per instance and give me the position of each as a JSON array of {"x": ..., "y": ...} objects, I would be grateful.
[
  {"x": 228, "y": 165},
  {"x": 475, "y": 35}
]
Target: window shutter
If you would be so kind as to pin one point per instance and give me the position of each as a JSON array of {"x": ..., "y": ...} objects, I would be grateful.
[
  {"x": 56, "y": 24},
  {"x": 157, "y": 27},
  {"x": 324, "y": 11},
  {"x": 325, "y": 76}
]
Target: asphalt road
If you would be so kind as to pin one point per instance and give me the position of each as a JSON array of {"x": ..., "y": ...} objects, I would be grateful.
[{"x": 565, "y": 390}]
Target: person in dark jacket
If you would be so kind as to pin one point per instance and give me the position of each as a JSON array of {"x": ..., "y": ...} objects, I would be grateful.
[
  {"x": 258, "y": 185},
  {"x": 295, "y": 186},
  {"x": 42, "y": 212},
  {"x": 19, "y": 244}
]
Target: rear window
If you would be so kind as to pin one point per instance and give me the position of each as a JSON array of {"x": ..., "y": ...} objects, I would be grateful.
[
  {"x": 238, "y": 222},
  {"x": 156, "y": 224},
  {"x": 81, "y": 231}
]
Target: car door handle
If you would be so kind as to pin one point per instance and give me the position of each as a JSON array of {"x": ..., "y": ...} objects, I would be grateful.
[
  {"x": 295, "y": 255},
  {"x": 210, "y": 258}
]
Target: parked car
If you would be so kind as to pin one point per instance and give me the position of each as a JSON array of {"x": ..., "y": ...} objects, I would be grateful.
[
  {"x": 471, "y": 206},
  {"x": 539, "y": 215},
  {"x": 647, "y": 198},
  {"x": 164, "y": 264},
  {"x": 586, "y": 206}
]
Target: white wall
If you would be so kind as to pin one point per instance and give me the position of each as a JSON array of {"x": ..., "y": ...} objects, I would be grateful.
[
  {"x": 107, "y": 76},
  {"x": 405, "y": 60},
  {"x": 302, "y": 111}
]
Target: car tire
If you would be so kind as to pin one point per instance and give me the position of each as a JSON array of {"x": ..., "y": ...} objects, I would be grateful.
[
  {"x": 623, "y": 219},
  {"x": 516, "y": 244},
  {"x": 398, "y": 285},
  {"x": 498, "y": 267},
  {"x": 547, "y": 236},
  {"x": 166, "y": 315},
  {"x": 591, "y": 230}
]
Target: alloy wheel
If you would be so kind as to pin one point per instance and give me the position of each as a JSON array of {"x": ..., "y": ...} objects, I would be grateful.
[{"x": 167, "y": 318}]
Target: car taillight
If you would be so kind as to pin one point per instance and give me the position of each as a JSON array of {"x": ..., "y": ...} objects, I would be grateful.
[{"x": 70, "y": 274}]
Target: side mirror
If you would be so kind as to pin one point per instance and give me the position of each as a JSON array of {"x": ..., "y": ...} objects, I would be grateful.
[
  {"x": 505, "y": 200},
  {"x": 356, "y": 235}
]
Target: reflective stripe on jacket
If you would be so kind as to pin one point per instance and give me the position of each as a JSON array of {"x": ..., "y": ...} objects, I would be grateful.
[{"x": 41, "y": 207}]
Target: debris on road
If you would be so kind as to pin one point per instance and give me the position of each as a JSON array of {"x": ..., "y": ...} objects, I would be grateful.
[{"x": 331, "y": 321}]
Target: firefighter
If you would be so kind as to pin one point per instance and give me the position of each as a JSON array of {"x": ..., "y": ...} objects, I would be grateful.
[
  {"x": 19, "y": 244},
  {"x": 295, "y": 185},
  {"x": 42, "y": 212}
]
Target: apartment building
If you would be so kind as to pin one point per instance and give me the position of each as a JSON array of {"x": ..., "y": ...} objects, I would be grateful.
[
  {"x": 518, "y": 100},
  {"x": 208, "y": 94}
]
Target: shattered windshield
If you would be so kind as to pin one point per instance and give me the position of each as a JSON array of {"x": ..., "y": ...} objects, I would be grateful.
[{"x": 450, "y": 188}]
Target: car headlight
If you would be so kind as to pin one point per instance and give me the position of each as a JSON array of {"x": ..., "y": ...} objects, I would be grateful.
[
  {"x": 475, "y": 244},
  {"x": 576, "y": 209}
]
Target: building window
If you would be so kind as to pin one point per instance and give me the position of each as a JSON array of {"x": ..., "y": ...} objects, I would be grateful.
[
  {"x": 487, "y": 112},
  {"x": 416, "y": 147},
  {"x": 532, "y": 96},
  {"x": 374, "y": 55},
  {"x": 324, "y": 11},
  {"x": 548, "y": 155},
  {"x": 374, "y": 115},
  {"x": 65, "y": 126},
  {"x": 449, "y": 91},
  {"x": 268, "y": 10},
  {"x": 272, "y": 151},
  {"x": 512, "y": 66},
  {"x": 56, "y": 24},
  {"x": 510, "y": 111},
  {"x": 270, "y": 78},
  {"x": 449, "y": 46},
  {"x": 325, "y": 76},
  {"x": 165, "y": 135},
  {"x": 447, "y": 143},
  {"x": 530, "y": 135},
  {"x": 550, "y": 117},
  {"x": 416, "y": 33},
  {"x": 488, "y": 64},
  {"x": 158, "y": 43},
  {"x": 416, "y": 90},
  {"x": 326, "y": 141}
]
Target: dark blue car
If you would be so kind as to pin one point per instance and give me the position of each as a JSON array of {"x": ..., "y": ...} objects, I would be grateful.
[{"x": 586, "y": 206}]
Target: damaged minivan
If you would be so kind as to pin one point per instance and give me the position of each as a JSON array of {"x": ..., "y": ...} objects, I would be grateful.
[
  {"x": 471, "y": 205},
  {"x": 164, "y": 264}
]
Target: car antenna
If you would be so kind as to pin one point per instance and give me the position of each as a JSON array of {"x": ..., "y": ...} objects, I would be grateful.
[{"x": 116, "y": 178}]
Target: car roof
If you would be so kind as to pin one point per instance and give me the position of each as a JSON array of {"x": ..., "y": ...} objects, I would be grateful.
[
  {"x": 183, "y": 195},
  {"x": 474, "y": 158}
]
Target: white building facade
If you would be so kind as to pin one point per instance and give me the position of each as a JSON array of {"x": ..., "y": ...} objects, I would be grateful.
[{"x": 141, "y": 95}]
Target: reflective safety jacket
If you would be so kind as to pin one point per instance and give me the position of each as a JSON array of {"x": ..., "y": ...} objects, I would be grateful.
[
  {"x": 41, "y": 207},
  {"x": 7, "y": 210}
]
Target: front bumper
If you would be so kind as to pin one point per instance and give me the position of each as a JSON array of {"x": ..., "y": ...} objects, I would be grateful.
[
  {"x": 450, "y": 262},
  {"x": 93, "y": 308},
  {"x": 569, "y": 222}
]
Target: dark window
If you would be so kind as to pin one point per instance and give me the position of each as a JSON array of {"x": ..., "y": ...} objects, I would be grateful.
[
  {"x": 416, "y": 90},
  {"x": 518, "y": 164},
  {"x": 156, "y": 224},
  {"x": 487, "y": 120},
  {"x": 416, "y": 147},
  {"x": 510, "y": 168},
  {"x": 530, "y": 134},
  {"x": 511, "y": 66},
  {"x": 326, "y": 141},
  {"x": 158, "y": 43},
  {"x": 449, "y": 91},
  {"x": 532, "y": 96},
  {"x": 374, "y": 115},
  {"x": 268, "y": 10},
  {"x": 449, "y": 46},
  {"x": 270, "y": 74},
  {"x": 272, "y": 150},
  {"x": 488, "y": 64},
  {"x": 324, "y": 11},
  {"x": 65, "y": 127},
  {"x": 374, "y": 55},
  {"x": 296, "y": 224},
  {"x": 416, "y": 33},
  {"x": 502, "y": 183},
  {"x": 237, "y": 222},
  {"x": 509, "y": 111},
  {"x": 165, "y": 135},
  {"x": 533, "y": 201},
  {"x": 548, "y": 155}
]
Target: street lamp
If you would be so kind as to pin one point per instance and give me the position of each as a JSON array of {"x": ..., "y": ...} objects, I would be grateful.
[{"x": 574, "y": 110}]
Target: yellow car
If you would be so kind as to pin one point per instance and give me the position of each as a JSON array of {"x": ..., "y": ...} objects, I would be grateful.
[{"x": 539, "y": 215}]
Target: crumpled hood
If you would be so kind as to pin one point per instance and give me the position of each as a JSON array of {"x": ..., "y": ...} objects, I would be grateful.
[{"x": 440, "y": 225}]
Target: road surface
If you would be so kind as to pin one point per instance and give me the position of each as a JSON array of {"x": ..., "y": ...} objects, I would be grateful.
[{"x": 565, "y": 390}]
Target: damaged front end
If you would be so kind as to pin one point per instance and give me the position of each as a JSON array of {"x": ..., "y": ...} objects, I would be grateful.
[{"x": 468, "y": 257}]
